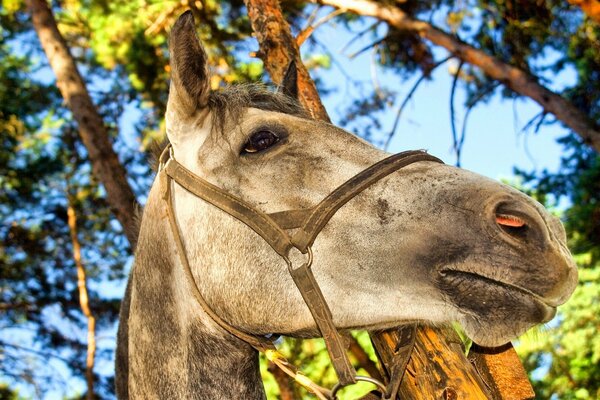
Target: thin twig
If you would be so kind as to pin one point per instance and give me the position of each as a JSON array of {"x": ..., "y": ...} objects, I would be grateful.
[
  {"x": 362, "y": 50},
  {"x": 470, "y": 107},
  {"x": 457, "y": 146},
  {"x": 285, "y": 383},
  {"x": 407, "y": 99},
  {"x": 374, "y": 78},
  {"x": 39, "y": 353},
  {"x": 359, "y": 35},
  {"x": 532, "y": 121},
  {"x": 83, "y": 301},
  {"x": 313, "y": 15},
  {"x": 306, "y": 32},
  {"x": 159, "y": 24}
]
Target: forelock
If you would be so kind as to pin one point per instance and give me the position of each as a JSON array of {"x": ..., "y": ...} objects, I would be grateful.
[{"x": 228, "y": 104}]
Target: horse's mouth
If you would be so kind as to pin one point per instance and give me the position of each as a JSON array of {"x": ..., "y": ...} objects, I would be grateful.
[{"x": 465, "y": 285}]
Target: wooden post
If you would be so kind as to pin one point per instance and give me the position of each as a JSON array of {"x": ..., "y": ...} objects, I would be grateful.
[
  {"x": 438, "y": 368},
  {"x": 502, "y": 371}
]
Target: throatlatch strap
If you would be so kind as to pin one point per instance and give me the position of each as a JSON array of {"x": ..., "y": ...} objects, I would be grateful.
[
  {"x": 258, "y": 343},
  {"x": 323, "y": 212}
]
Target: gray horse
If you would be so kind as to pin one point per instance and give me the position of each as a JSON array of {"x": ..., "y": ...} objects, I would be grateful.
[{"x": 429, "y": 243}]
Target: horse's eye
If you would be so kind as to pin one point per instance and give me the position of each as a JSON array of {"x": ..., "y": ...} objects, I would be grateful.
[{"x": 260, "y": 141}]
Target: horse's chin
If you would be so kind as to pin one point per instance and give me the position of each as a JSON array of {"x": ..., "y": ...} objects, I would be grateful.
[
  {"x": 489, "y": 333},
  {"x": 492, "y": 312}
]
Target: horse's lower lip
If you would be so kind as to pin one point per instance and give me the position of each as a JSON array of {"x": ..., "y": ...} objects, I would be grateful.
[{"x": 492, "y": 281}]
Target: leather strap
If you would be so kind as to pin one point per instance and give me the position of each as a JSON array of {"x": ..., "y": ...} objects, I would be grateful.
[
  {"x": 323, "y": 212},
  {"x": 402, "y": 353},
  {"x": 271, "y": 227},
  {"x": 313, "y": 297},
  {"x": 232, "y": 205}
]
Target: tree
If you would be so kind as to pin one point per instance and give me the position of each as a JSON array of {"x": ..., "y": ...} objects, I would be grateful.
[{"x": 516, "y": 78}]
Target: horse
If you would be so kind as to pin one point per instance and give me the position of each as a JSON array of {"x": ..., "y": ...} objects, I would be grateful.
[{"x": 429, "y": 242}]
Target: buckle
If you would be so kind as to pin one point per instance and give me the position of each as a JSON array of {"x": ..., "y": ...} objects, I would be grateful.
[{"x": 307, "y": 263}]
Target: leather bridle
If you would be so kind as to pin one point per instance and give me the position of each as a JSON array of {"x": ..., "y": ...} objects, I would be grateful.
[{"x": 273, "y": 228}]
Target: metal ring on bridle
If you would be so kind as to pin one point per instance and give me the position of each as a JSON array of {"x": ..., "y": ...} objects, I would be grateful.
[
  {"x": 308, "y": 261},
  {"x": 368, "y": 379}
]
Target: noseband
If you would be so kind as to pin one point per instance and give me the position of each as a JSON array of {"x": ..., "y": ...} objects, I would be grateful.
[{"x": 273, "y": 228}]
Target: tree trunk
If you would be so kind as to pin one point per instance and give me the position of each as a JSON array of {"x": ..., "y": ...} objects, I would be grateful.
[
  {"x": 94, "y": 135},
  {"x": 84, "y": 301},
  {"x": 514, "y": 78},
  {"x": 278, "y": 48}
]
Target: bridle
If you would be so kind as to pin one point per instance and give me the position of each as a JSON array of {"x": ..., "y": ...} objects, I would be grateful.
[{"x": 273, "y": 228}]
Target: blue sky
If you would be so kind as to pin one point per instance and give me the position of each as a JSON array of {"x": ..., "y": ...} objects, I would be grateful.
[{"x": 495, "y": 142}]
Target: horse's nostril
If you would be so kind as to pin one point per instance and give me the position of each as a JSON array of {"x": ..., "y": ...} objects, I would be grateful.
[
  {"x": 512, "y": 225},
  {"x": 509, "y": 221}
]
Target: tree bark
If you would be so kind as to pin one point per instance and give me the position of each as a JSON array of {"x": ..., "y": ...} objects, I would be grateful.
[
  {"x": 278, "y": 48},
  {"x": 506, "y": 378},
  {"x": 590, "y": 7},
  {"x": 514, "y": 78},
  {"x": 438, "y": 369},
  {"x": 94, "y": 135}
]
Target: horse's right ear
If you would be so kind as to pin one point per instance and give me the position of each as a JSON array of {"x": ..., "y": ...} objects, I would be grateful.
[
  {"x": 289, "y": 84},
  {"x": 190, "y": 80}
]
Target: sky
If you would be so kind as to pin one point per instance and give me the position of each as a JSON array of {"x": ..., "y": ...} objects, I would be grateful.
[{"x": 495, "y": 142}]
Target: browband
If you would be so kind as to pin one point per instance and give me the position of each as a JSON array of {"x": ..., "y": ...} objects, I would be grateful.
[{"x": 273, "y": 229}]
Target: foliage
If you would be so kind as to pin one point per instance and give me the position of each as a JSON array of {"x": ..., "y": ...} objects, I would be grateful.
[
  {"x": 565, "y": 357},
  {"x": 121, "y": 47},
  {"x": 310, "y": 355}
]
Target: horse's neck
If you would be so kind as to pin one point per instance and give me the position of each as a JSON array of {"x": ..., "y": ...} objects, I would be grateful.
[{"x": 174, "y": 349}]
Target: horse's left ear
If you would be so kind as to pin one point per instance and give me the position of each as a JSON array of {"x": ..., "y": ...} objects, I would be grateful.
[
  {"x": 190, "y": 80},
  {"x": 289, "y": 84}
]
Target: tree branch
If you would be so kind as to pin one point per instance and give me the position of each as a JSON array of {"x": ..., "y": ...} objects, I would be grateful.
[
  {"x": 456, "y": 141},
  {"x": 310, "y": 28},
  {"x": 278, "y": 48},
  {"x": 92, "y": 131},
  {"x": 407, "y": 99},
  {"x": 83, "y": 301},
  {"x": 514, "y": 78}
]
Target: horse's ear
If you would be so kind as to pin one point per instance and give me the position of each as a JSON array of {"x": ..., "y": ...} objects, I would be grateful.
[
  {"x": 190, "y": 80},
  {"x": 289, "y": 85}
]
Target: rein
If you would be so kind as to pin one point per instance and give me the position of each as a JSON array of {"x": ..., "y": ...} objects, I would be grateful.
[{"x": 273, "y": 229}]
